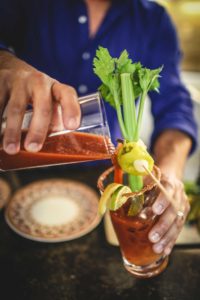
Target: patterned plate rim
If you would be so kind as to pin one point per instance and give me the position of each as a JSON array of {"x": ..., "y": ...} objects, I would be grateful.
[{"x": 74, "y": 236}]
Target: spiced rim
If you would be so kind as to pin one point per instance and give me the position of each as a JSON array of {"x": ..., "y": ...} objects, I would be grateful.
[{"x": 148, "y": 187}]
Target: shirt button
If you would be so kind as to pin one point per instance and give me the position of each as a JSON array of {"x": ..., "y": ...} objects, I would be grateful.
[
  {"x": 82, "y": 88},
  {"x": 82, "y": 19},
  {"x": 86, "y": 55}
]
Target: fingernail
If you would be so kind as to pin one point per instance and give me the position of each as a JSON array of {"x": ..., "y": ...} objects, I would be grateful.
[
  {"x": 154, "y": 237},
  {"x": 33, "y": 147},
  {"x": 73, "y": 123},
  {"x": 158, "y": 248},
  {"x": 11, "y": 148},
  {"x": 158, "y": 208}
]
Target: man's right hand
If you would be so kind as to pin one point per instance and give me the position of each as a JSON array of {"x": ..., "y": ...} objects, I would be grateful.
[{"x": 20, "y": 85}]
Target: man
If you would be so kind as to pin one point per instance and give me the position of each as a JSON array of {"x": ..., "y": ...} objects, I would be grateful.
[{"x": 54, "y": 44}]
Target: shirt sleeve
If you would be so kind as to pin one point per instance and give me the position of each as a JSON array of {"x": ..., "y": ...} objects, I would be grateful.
[
  {"x": 172, "y": 107},
  {"x": 11, "y": 23}
]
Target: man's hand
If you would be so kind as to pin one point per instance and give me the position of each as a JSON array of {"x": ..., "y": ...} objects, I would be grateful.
[
  {"x": 170, "y": 150},
  {"x": 172, "y": 216},
  {"x": 20, "y": 85}
]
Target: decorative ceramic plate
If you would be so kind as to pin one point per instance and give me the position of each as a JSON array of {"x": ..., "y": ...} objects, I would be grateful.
[
  {"x": 53, "y": 210},
  {"x": 5, "y": 192}
]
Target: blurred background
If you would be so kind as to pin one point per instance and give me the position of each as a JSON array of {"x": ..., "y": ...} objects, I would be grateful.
[{"x": 186, "y": 17}]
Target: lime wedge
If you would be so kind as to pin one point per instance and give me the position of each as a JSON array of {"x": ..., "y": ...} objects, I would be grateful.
[
  {"x": 117, "y": 200},
  {"x": 112, "y": 197},
  {"x": 106, "y": 196}
]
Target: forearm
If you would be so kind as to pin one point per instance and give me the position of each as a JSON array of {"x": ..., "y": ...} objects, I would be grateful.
[
  {"x": 171, "y": 150},
  {"x": 10, "y": 61}
]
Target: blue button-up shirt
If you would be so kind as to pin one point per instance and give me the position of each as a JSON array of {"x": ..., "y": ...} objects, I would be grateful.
[{"x": 53, "y": 36}]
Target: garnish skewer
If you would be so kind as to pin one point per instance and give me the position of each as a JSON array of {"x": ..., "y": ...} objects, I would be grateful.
[{"x": 164, "y": 191}]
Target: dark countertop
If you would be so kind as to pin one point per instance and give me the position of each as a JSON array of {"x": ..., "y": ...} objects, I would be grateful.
[{"x": 88, "y": 267}]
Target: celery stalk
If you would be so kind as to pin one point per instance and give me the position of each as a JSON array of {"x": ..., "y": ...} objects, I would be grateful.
[
  {"x": 122, "y": 82},
  {"x": 135, "y": 182},
  {"x": 128, "y": 100},
  {"x": 130, "y": 121},
  {"x": 140, "y": 114},
  {"x": 119, "y": 115}
]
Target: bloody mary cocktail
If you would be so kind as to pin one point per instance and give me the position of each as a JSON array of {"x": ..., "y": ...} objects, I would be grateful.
[
  {"x": 127, "y": 195},
  {"x": 132, "y": 230},
  {"x": 132, "y": 233}
]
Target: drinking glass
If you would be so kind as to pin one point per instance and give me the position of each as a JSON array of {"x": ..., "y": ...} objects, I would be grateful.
[
  {"x": 90, "y": 142},
  {"x": 132, "y": 231}
]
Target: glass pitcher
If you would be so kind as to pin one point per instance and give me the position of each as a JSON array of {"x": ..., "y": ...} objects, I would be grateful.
[{"x": 90, "y": 142}]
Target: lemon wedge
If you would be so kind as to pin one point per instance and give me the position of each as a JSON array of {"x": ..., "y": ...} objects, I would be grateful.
[{"x": 112, "y": 198}]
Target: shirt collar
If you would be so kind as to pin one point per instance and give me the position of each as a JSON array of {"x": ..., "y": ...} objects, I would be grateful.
[{"x": 117, "y": 10}]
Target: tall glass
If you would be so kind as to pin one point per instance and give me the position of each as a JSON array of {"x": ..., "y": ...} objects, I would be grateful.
[
  {"x": 90, "y": 142},
  {"x": 132, "y": 231}
]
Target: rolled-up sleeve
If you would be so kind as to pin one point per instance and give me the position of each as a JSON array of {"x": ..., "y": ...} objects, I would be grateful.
[
  {"x": 172, "y": 107},
  {"x": 11, "y": 23}
]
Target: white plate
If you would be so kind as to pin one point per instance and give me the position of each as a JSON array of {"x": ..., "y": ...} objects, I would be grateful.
[{"x": 53, "y": 210}]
